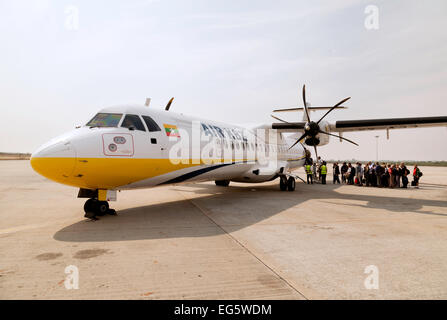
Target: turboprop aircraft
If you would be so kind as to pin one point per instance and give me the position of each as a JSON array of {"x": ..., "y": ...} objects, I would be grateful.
[{"x": 135, "y": 146}]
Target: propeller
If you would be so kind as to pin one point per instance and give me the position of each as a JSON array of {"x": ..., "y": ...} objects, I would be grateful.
[
  {"x": 279, "y": 119},
  {"x": 169, "y": 104},
  {"x": 312, "y": 128}
]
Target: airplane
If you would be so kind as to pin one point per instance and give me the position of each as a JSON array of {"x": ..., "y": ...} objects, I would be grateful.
[{"x": 134, "y": 146}]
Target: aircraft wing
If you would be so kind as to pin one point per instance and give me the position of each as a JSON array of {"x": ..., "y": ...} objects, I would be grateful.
[
  {"x": 368, "y": 125},
  {"x": 381, "y": 124}
]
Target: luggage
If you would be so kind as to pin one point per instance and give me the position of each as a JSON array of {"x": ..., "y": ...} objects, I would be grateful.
[{"x": 413, "y": 183}]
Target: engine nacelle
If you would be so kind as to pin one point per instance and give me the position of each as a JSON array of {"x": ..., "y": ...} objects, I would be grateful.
[{"x": 319, "y": 139}]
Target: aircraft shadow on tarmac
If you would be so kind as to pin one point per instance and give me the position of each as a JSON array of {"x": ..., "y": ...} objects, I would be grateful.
[{"x": 212, "y": 209}]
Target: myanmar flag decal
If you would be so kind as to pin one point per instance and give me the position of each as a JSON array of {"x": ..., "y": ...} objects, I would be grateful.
[{"x": 171, "y": 130}]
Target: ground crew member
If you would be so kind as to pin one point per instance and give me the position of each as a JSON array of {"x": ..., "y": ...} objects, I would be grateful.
[
  {"x": 323, "y": 172},
  {"x": 308, "y": 168}
]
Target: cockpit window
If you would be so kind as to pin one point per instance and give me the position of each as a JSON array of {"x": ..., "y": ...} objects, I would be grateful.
[
  {"x": 133, "y": 121},
  {"x": 105, "y": 120},
  {"x": 152, "y": 126}
]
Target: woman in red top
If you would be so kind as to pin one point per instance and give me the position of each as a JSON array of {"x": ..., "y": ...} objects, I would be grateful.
[
  {"x": 392, "y": 177},
  {"x": 416, "y": 175}
]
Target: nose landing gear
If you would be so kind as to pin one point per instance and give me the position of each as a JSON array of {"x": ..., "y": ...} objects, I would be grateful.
[{"x": 93, "y": 208}]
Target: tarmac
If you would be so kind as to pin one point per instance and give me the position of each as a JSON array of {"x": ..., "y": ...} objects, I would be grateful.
[{"x": 247, "y": 241}]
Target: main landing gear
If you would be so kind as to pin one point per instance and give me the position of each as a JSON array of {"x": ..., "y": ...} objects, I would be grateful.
[
  {"x": 93, "y": 208},
  {"x": 287, "y": 183},
  {"x": 222, "y": 183}
]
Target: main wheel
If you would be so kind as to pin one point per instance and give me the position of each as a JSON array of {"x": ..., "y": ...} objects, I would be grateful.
[
  {"x": 222, "y": 183},
  {"x": 89, "y": 206},
  {"x": 291, "y": 184},
  {"x": 283, "y": 184},
  {"x": 90, "y": 209},
  {"x": 102, "y": 207}
]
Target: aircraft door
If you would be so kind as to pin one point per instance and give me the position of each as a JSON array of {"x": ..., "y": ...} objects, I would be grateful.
[{"x": 156, "y": 138}]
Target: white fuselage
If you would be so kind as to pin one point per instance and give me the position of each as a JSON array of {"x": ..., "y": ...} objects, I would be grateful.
[{"x": 184, "y": 149}]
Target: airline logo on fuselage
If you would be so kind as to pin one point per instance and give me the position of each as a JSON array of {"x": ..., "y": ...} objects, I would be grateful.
[{"x": 171, "y": 130}]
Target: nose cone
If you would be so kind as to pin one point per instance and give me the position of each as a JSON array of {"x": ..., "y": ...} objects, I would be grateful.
[{"x": 55, "y": 160}]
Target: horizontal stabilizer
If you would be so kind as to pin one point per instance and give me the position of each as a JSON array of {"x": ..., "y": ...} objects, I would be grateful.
[{"x": 309, "y": 108}]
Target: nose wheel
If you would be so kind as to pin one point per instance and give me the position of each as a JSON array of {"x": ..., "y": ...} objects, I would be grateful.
[{"x": 94, "y": 208}]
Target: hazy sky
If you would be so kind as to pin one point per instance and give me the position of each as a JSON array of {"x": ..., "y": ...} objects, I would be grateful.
[{"x": 232, "y": 61}]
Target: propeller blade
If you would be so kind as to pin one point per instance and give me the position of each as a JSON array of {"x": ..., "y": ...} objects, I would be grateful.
[
  {"x": 279, "y": 119},
  {"x": 334, "y": 107},
  {"x": 294, "y": 144},
  {"x": 340, "y": 137},
  {"x": 301, "y": 138},
  {"x": 305, "y": 104},
  {"x": 169, "y": 104},
  {"x": 288, "y": 110}
]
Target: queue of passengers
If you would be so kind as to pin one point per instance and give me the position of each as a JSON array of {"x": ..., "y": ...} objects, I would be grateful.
[{"x": 376, "y": 175}]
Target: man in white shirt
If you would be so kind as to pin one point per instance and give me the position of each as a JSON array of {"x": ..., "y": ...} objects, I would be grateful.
[{"x": 359, "y": 173}]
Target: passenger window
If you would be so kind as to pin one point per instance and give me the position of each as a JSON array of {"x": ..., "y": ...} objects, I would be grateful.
[
  {"x": 133, "y": 121},
  {"x": 206, "y": 130},
  {"x": 230, "y": 134},
  {"x": 152, "y": 126}
]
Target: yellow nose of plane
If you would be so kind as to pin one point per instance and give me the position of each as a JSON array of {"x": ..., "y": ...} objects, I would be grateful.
[{"x": 55, "y": 161}]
